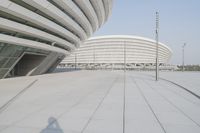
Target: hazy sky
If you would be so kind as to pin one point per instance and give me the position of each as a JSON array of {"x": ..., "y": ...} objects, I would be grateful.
[{"x": 179, "y": 23}]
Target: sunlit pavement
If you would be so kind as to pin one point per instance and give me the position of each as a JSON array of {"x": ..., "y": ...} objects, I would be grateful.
[
  {"x": 190, "y": 80},
  {"x": 96, "y": 102}
]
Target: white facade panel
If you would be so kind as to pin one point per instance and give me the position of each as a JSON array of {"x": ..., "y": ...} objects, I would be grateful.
[{"x": 68, "y": 22}]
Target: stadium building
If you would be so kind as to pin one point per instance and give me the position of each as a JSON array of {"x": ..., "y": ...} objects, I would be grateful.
[
  {"x": 112, "y": 52},
  {"x": 35, "y": 35}
]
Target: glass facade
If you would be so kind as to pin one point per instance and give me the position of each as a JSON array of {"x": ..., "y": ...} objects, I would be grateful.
[{"x": 10, "y": 55}]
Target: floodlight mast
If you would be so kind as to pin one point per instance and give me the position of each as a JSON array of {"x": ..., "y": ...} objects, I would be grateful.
[
  {"x": 75, "y": 65},
  {"x": 124, "y": 56},
  {"x": 157, "y": 57},
  {"x": 183, "y": 62},
  {"x": 94, "y": 58}
]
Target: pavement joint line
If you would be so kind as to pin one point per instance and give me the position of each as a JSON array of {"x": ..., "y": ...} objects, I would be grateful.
[
  {"x": 176, "y": 84},
  {"x": 162, "y": 127},
  {"x": 4, "y": 107},
  {"x": 124, "y": 103},
  {"x": 173, "y": 104},
  {"x": 74, "y": 105},
  {"x": 98, "y": 106},
  {"x": 178, "y": 94},
  {"x": 184, "y": 88}
]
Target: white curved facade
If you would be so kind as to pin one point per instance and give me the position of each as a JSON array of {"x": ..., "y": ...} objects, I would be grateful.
[
  {"x": 113, "y": 51},
  {"x": 51, "y": 25}
]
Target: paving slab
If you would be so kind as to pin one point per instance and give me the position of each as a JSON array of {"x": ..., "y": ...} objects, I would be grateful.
[{"x": 97, "y": 102}]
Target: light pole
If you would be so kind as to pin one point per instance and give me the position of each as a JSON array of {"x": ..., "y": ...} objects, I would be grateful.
[
  {"x": 94, "y": 60},
  {"x": 124, "y": 56},
  {"x": 75, "y": 65},
  {"x": 157, "y": 58},
  {"x": 183, "y": 49}
]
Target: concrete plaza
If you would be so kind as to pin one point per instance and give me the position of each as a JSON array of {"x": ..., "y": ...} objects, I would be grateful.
[{"x": 97, "y": 102}]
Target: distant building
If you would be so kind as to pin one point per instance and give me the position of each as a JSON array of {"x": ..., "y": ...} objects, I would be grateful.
[
  {"x": 35, "y": 35},
  {"x": 111, "y": 52}
]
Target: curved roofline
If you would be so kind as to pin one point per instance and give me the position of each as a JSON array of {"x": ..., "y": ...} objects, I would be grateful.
[{"x": 128, "y": 36}]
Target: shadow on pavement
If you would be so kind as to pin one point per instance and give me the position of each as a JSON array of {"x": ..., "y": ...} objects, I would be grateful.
[
  {"x": 52, "y": 127},
  {"x": 60, "y": 70}
]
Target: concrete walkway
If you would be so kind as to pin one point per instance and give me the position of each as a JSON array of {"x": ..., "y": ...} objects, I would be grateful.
[{"x": 96, "y": 102}]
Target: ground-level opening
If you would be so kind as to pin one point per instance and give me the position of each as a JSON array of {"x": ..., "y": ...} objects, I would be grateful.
[{"x": 27, "y": 64}]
